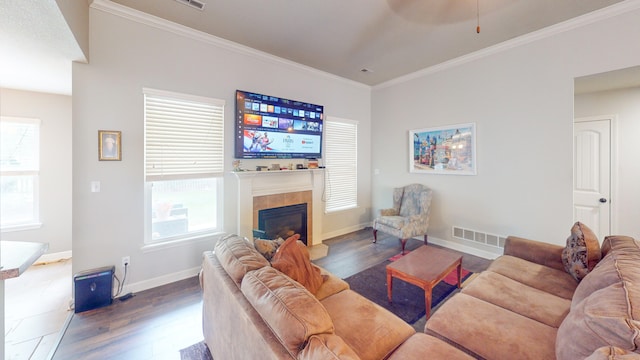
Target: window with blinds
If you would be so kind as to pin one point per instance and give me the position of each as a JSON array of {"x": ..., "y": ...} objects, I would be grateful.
[
  {"x": 184, "y": 164},
  {"x": 19, "y": 172},
  {"x": 341, "y": 162},
  {"x": 184, "y": 136}
]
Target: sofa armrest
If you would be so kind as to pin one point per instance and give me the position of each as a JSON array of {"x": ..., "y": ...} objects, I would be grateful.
[{"x": 535, "y": 251}]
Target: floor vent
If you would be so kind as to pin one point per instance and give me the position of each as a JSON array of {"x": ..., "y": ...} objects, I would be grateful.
[
  {"x": 193, "y": 3},
  {"x": 479, "y": 237}
]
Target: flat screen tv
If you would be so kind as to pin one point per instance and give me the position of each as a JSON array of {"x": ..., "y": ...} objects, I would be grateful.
[{"x": 269, "y": 127}]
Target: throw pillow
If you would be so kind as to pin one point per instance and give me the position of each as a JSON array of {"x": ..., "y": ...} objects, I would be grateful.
[
  {"x": 267, "y": 247},
  {"x": 582, "y": 252},
  {"x": 292, "y": 258}
]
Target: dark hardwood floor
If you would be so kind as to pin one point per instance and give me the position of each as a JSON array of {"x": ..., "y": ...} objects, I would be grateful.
[
  {"x": 157, "y": 323},
  {"x": 354, "y": 252},
  {"x": 154, "y": 324}
]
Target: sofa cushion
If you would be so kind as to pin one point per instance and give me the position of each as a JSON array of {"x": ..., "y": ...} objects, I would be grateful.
[
  {"x": 292, "y": 258},
  {"x": 603, "y": 275},
  {"x": 582, "y": 252},
  {"x": 267, "y": 247},
  {"x": 238, "y": 256},
  {"x": 423, "y": 346},
  {"x": 619, "y": 242},
  {"x": 537, "y": 276},
  {"x": 519, "y": 298},
  {"x": 613, "y": 353},
  {"x": 327, "y": 347},
  {"x": 491, "y": 331},
  {"x": 610, "y": 314},
  {"x": 602, "y": 319},
  {"x": 359, "y": 322},
  {"x": 229, "y": 318},
  {"x": 331, "y": 285},
  {"x": 292, "y": 313}
]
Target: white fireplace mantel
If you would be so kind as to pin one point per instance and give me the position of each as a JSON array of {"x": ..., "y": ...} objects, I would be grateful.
[{"x": 259, "y": 183}]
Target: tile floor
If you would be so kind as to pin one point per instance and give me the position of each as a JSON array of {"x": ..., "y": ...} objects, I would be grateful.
[{"x": 36, "y": 308}]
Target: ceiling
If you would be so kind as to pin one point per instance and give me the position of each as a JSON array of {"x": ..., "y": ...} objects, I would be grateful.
[
  {"x": 36, "y": 47},
  {"x": 612, "y": 80},
  {"x": 388, "y": 38}
]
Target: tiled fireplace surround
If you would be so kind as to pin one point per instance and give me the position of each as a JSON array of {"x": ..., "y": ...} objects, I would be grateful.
[{"x": 259, "y": 190}]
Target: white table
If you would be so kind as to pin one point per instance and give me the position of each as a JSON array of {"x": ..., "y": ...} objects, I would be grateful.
[{"x": 17, "y": 256}]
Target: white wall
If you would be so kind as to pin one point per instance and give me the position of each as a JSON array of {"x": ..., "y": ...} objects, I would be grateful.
[
  {"x": 126, "y": 56},
  {"x": 521, "y": 99},
  {"x": 76, "y": 14},
  {"x": 624, "y": 104},
  {"x": 54, "y": 111}
]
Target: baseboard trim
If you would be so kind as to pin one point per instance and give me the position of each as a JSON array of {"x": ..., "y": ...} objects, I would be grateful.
[
  {"x": 330, "y": 235},
  {"x": 159, "y": 281},
  {"x": 53, "y": 257}
]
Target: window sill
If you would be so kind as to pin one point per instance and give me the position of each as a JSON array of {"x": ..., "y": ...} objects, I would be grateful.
[
  {"x": 162, "y": 245},
  {"x": 346, "y": 208},
  {"x": 22, "y": 227}
]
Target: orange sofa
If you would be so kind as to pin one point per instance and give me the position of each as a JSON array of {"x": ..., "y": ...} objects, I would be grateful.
[
  {"x": 253, "y": 311},
  {"x": 527, "y": 306}
]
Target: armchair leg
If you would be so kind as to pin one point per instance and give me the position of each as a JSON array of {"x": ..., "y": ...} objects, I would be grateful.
[
  {"x": 425, "y": 239},
  {"x": 375, "y": 235},
  {"x": 403, "y": 242}
]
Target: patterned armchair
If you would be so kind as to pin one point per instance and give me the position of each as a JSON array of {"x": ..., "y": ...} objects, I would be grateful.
[{"x": 409, "y": 216}]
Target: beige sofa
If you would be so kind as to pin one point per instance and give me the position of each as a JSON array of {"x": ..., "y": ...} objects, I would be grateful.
[
  {"x": 253, "y": 311},
  {"x": 527, "y": 306}
]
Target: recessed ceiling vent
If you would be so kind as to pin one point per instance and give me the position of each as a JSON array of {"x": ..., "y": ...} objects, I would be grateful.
[{"x": 193, "y": 3}]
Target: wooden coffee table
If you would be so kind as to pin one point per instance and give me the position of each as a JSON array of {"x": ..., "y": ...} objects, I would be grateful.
[{"x": 424, "y": 267}]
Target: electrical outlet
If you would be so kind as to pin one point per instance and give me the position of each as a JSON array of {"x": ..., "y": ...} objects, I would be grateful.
[{"x": 126, "y": 261}]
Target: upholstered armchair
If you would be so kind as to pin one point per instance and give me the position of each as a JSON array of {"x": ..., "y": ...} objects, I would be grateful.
[{"x": 409, "y": 216}]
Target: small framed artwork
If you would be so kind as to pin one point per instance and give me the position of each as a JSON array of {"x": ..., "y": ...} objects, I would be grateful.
[
  {"x": 447, "y": 149},
  {"x": 109, "y": 145}
]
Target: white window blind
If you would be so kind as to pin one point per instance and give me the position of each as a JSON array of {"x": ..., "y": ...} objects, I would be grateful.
[
  {"x": 341, "y": 161},
  {"x": 184, "y": 136}
]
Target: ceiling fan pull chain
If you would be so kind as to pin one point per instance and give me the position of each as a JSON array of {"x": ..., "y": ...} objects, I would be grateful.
[{"x": 478, "y": 16}]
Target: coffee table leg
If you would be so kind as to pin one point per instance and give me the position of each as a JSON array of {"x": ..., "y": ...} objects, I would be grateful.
[
  {"x": 460, "y": 275},
  {"x": 389, "y": 284},
  {"x": 427, "y": 301}
]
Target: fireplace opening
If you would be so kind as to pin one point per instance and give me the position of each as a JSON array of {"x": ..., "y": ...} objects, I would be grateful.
[{"x": 284, "y": 221}]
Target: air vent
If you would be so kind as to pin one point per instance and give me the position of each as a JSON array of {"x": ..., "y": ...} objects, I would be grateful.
[
  {"x": 193, "y": 3},
  {"x": 478, "y": 237}
]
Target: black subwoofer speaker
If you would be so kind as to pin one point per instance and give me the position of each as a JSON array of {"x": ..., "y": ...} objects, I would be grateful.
[{"x": 93, "y": 288}]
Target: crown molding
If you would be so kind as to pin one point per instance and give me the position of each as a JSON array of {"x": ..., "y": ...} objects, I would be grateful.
[
  {"x": 571, "y": 24},
  {"x": 140, "y": 17}
]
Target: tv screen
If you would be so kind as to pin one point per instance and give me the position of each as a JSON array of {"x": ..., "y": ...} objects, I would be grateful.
[{"x": 269, "y": 127}]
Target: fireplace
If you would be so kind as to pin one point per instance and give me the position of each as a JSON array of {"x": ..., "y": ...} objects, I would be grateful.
[
  {"x": 292, "y": 202},
  {"x": 260, "y": 190},
  {"x": 284, "y": 221}
]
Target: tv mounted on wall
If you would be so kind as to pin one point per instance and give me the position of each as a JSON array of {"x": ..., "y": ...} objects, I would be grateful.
[{"x": 269, "y": 127}]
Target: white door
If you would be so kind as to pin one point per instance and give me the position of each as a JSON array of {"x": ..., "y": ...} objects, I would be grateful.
[{"x": 592, "y": 174}]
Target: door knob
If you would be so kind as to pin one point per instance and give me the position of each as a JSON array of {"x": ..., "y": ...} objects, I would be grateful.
[{"x": 603, "y": 200}]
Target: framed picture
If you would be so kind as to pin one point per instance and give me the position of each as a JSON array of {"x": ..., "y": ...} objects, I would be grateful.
[
  {"x": 447, "y": 149},
  {"x": 109, "y": 145}
]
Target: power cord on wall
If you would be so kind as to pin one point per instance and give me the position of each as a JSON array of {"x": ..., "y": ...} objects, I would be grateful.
[{"x": 121, "y": 285}]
